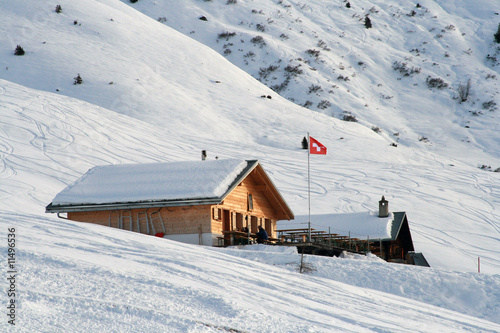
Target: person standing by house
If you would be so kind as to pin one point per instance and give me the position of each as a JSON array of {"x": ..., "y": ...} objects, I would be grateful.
[{"x": 261, "y": 235}]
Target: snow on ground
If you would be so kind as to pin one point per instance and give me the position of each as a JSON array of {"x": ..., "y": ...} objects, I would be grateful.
[
  {"x": 175, "y": 98},
  {"x": 471, "y": 293},
  {"x": 319, "y": 54},
  {"x": 83, "y": 278},
  {"x": 192, "y": 98}
]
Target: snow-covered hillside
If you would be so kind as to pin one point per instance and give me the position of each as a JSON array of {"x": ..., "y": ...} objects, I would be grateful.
[
  {"x": 86, "y": 278},
  {"x": 401, "y": 77},
  {"x": 150, "y": 94}
]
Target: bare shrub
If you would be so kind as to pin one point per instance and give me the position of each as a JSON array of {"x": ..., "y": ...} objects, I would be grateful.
[
  {"x": 347, "y": 116},
  {"x": 314, "y": 89},
  {"x": 280, "y": 87},
  {"x": 226, "y": 35},
  {"x": 436, "y": 82},
  {"x": 264, "y": 72},
  {"x": 490, "y": 105},
  {"x": 312, "y": 52},
  {"x": 249, "y": 54},
  {"x": 305, "y": 267},
  {"x": 464, "y": 91},
  {"x": 307, "y": 104},
  {"x": 322, "y": 44},
  {"x": 258, "y": 40},
  {"x": 293, "y": 70},
  {"x": 324, "y": 104},
  {"x": 402, "y": 67}
]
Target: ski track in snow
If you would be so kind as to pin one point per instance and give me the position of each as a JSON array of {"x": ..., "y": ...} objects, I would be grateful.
[
  {"x": 79, "y": 277},
  {"x": 115, "y": 268}
]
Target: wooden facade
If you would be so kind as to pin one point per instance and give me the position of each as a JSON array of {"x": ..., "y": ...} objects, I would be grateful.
[
  {"x": 396, "y": 248},
  {"x": 252, "y": 200}
]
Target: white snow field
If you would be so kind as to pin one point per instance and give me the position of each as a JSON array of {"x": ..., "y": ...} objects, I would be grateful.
[
  {"x": 79, "y": 277},
  {"x": 151, "y": 94}
]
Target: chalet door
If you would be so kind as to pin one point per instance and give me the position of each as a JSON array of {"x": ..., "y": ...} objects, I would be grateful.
[
  {"x": 226, "y": 226},
  {"x": 226, "y": 220}
]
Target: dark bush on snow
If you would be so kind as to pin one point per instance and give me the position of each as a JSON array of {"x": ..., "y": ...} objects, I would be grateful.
[{"x": 19, "y": 51}]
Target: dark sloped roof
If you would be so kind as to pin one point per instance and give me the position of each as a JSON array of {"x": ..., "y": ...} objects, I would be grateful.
[
  {"x": 419, "y": 259},
  {"x": 397, "y": 223}
]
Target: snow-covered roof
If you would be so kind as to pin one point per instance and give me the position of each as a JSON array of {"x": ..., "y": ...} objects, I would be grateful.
[
  {"x": 133, "y": 183},
  {"x": 358, "y": 225}
]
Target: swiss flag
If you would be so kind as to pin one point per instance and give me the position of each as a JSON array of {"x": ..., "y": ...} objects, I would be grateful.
[{"x": 315, "y": 147}]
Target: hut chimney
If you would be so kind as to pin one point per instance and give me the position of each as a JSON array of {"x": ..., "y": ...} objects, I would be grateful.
[
  {"x": 203, "y": 155},
  {"x": 383, "y": 207}
]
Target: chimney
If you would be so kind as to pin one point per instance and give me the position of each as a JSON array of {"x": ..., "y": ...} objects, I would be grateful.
[
  {"x": 383, "y": 207},
  {"x": 203, "y": 155}
]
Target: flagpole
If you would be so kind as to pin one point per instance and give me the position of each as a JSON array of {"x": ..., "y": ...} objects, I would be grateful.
[{"x": 309, "y": 186}]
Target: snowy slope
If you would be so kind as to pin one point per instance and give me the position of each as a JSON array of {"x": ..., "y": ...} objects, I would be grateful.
[
  {"x": 81, "y": 277},
  {"x": 175, "y": 109},
  {"x": 87, "y": 278},
  {"x": 379, "y": 75},
  {"x": 191, "y": 92}
]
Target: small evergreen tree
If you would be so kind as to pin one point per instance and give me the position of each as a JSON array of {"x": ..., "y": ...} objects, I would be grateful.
[
  {"x": 19, "y": 51},
  {"x": 368, "y": 22},
  {"x": 78, "y": 79},
  {"x": 304, "y": 143},
  {"x": 58, "y": 9},
  {"x": 348, "y": 4},
  {"x": 497, "y": 35}
]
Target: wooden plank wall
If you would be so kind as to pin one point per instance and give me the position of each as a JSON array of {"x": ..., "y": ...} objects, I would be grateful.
[
  {"x": 177, "y": 220},
  {"x": 237, "y": 204},
  {"x": 238, "y": 199},
  {"x": 200, "y": 219}
]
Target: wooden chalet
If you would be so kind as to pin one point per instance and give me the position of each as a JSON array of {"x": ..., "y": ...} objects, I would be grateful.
[
  {"x": 385, "y": 234},
  {"x": 200, "y": 202}
]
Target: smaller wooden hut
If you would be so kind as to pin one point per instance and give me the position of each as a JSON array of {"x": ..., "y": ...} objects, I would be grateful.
[
  {"x": 199, "y": 202},
  {"x": 386, "y": 233}
]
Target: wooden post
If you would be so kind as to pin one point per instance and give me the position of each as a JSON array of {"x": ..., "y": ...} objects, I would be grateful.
[
  {"x": 478, "y": 264},
  {"x": 380, "y": 245},
  {"x": 200, "y": 237}
]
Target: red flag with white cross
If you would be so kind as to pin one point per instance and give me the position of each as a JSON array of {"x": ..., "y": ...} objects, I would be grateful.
[{"x": 315, "y": 147}]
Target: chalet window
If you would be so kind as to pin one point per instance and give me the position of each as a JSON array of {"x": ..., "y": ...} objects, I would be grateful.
[
  {"x": 254, "y": 224},
  {"x": 268, "y": 225},
  {"x": 216, "y": 214},
  {"x": 250, "y": 202},
  {"x": 239, "y": 221}
]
